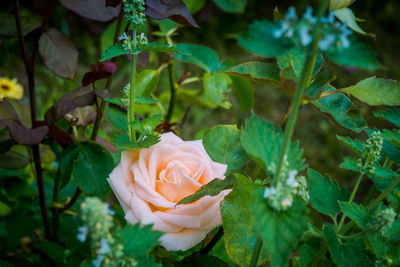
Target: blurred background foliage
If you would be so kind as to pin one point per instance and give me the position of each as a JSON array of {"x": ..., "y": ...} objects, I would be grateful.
[{"x": 217, "y": 30}]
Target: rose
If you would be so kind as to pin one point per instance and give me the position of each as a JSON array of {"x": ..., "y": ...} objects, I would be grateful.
[
  {"x": 150, "y": 182},
  {"x": 337, "y": 4}
]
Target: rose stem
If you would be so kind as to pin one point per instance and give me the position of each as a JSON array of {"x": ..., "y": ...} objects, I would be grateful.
[
  {"x": 131, "y": 103},
  {"x": 306, "y": 75},
  {"x": 172, "y": 86},
  {"x": 103, "y": 104},
  {"x": 213, "y": 241},
  {"x": 29, "y": 67}
]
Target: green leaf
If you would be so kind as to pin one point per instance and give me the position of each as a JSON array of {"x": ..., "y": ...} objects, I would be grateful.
[
  {"x": 117, "y": 101},
  {"x": 138, "y": 241},
  {"x": 239, "y": 230},
  {"x": 378, "y": 244},
  {"x": 122, "y": 142},
  {"x": 346, "y": 254},
  {"x": 231, "y": 6},
  {"x": 223, "y": 144},
  {"x": 263, "y": 142},
  {"x": 194, "y": 5},
  {"x": 4, "y": 209},
  {"x": 117, "y": 116},
  {"x": 200, "y": 55},
  {"x": 324, "y": 194},
  {"x": 147, "y": 261},
  {"x": 280, "y": 231},
  {"x": 258, "y": 71},
  {"x": 357, "y": 55},
  {"x": 145, "y": 100},
  {"x": 393, "y": 233},
  {"x": 296, "y": 59},
  {"x": 382, "y": 172},
  {"x": 215, "y": 86},
  {"x": 357, "y": 213},
  {"x": 308, "y": 250},
  {"x": 167, "y": 27},
  {"x": 213, "y": 188},
  {"x": 146, "y": 82},
  {"x": 351, "y": 163},
  {"x": 158, "y": 47},
  {"x": 346, "y": 16},
  {"x": 245, "y": 92},
  {"x": 354, "y": 144},
  {"x": 114, "y": 51},
  {"x": 375, "y": 91},
  {"x": 392, "y": 115},
  {"x": 259, "y": 39},
  {"x": 67, "y": 162},
  {"x": 53, "y": 250},
  {"x": 8, "y": 26},
  {"x": 90, "y": 169},
  {"x": 320, "y": 83},
  {"x": 341, "y": 109},
  {"x": 201, "y": 261},
  {"x": 147, "y": 125}
]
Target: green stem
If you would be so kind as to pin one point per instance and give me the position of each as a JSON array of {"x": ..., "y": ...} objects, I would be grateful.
[
  {"x": 256, "y": 252},
  {"x": 384, "y": 194},
  {"x": 306, "y": 76},
  {"x": 131, "y": 104},
  {"x": 171, "y": 74},
  {"x": 353, "y": 236}
]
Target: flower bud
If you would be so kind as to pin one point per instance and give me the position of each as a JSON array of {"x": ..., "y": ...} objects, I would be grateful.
[{"x": 337, "y": 4}]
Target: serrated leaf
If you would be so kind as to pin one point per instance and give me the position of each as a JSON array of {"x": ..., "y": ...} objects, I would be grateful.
[
  {"x": 117, "y": 101},
  {"x": 90, "y": 169},
  {"x": 259, "y": 39},
  {"x": 393, "y": 233},
  {"x": 146, "y": 125},
  {"x": 145, "y": 100},
  {"x": 117, "y": 116},
  {"x": 216, "y": 85},
  {"x": 239, "y": 229},
  {"x": 320, "y": 83},
  {"x": 200, "y": 55},
  {"x": 213, "y": 188},
  {"x": 325, "y": 194},
  {"x": 258, "y": 71},
  {"x": 115, "y": 51},
  {"x": 392, "y": 115},
  {"x": 375, "y": 91},
  {"x": 296, "y": 59},
  {"x": 223, "y": 144},
  {"x": 159, "y": 47},
  {"x": 382, "y": 172},
  {"x": 351, "y": 163},
  {"x": 244, "y": 91},
  {"x": 347, "y": 254},
  {"x": 358, "y": 55},
  {"x": 378, "y": 244},
  {"x": 341, "y": 110},
  {"x": 122, "y": 142},
  {"x": 263, "y": 142},
  {"x": 138, "y": 241},
  {"x": 354, "y": 144},
  {"x": 346, "y": 16},
  {"x": 280, "y": 231},
  {"x": 357, "y": 213}
]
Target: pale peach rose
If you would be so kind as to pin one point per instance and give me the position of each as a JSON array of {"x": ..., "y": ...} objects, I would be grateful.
[{"x": 149, "y": 182}]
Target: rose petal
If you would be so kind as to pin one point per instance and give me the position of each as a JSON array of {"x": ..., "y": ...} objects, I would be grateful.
[{"x": 183, "y": 240}]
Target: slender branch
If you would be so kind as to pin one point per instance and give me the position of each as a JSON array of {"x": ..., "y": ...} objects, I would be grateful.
[
  {"x": 131, "y": 104},
  {"x": 384, "y": 194},
  {"x": 30, "y": 70},
  {"x": 103, "y": 104},
  {"x": 213, "y": 241},
  {"x": 353, "y": 236},
  {"x": 256, "y": 252},
  {"x": 171, "y": 74},
  {"x": 72, "y": 201}
]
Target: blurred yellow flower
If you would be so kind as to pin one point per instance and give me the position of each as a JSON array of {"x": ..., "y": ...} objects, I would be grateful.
[
  {"x": 10, "y": 88},
  {"x": 337, "y": 4}
]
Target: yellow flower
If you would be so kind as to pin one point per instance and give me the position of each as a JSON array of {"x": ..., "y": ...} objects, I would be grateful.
[
  {"x": 337, "y": 4},
  {"x": 10, "y": 88}
]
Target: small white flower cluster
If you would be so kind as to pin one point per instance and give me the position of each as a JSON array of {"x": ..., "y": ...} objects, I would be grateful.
[
  {"x": 372, "y": 151},
  {"x": 142, "y": 39},
  {"x": 280, "y": 197},
  {"x": 97, "y": 225},
  {"x": 384, "y": 217},
  {"x": 334, "y": 32}
]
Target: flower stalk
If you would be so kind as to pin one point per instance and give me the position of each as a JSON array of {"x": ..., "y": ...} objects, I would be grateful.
[{"x": 131, "y": 103}]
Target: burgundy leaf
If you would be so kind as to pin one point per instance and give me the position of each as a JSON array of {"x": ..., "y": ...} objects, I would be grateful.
[
  {"x": 59, "y": 53},
  {"x": 91, "y": 9},
  {"x": 23, "y": 135},
  {"x": 99, "y": 71},
  {"x": 109, "y": 146},
  {"x": 113, "y": 3},
  {"x": 79, "y": 97},
  {"x": 173, "y": 9},
  {"x": 62, "y": 137}
]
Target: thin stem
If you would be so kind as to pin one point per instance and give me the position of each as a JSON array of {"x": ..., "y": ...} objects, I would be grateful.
[
  {"x": 171, "y": 75},
  {"x": 353, "y": 236},
  {"x": 131, "y": 104},
  {"x": 72, "y": 201},
  {"x": 384, "y": 194},
  {"x": 30, "y": 70},
  {"x": 353, "y": 193},
  {"x": 213, "y": 241},
  {"x": 256, "y": 252},
  {"x": 103, "y": 104},
  {"x": 306, "y": 76}
]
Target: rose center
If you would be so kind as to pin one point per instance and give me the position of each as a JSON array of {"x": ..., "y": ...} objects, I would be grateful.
[{"x": 5, "y": 87}]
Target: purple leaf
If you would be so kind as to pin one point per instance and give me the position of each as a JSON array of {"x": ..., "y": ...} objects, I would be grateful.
[
  {"x": 91, "y": 9},
  {"x": 173, "y": 9},
  {"x": 113, "y": 3},
  {"x": 79, "y": 97},
  {"x": 59, "y": 53},
  {"x": 99, "y": 71},
  {"x": 62, "y": 137},
  {"x": 23, "y": 135}
]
